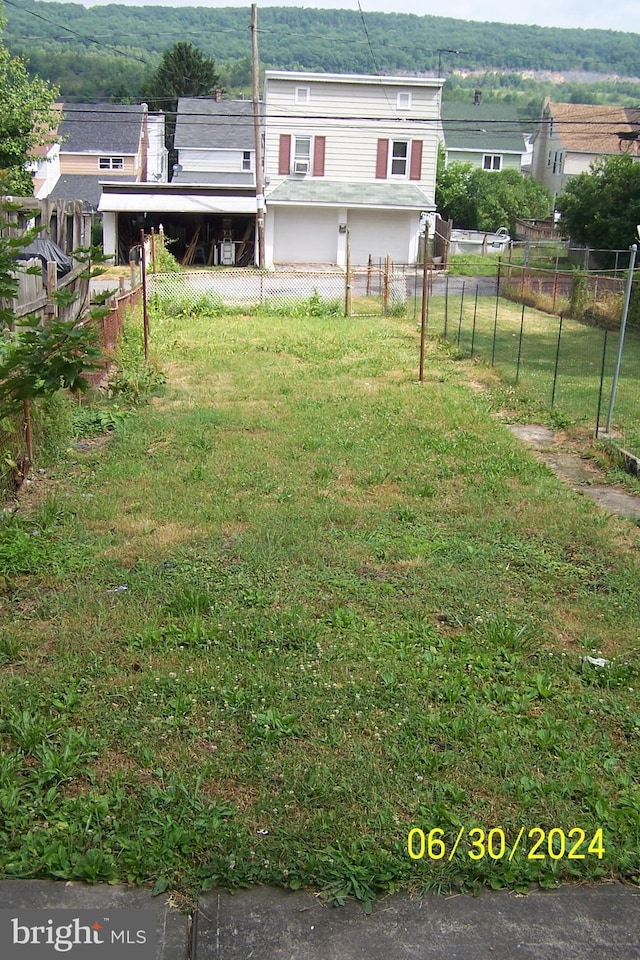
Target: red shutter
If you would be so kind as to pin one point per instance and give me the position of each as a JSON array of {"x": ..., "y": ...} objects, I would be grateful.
[
  {"x": 319, "y": 147},
  {"x": 415, "y": 170},
  {"x": 381, "y": 159},
  {"x": 284, "y": 157}
]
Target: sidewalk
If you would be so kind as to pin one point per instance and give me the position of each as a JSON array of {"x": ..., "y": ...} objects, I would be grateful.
[{"x": 578, "y": 922}]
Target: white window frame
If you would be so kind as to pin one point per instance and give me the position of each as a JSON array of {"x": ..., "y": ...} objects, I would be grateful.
[
  {"x": 303, "y": 94},
  {"x": 397, "y": 158},
  {"x": 246, "y": 160},
  {"x": 302, "y": 153},
  {"x": 403, "y": 100},
  {"x": 492, "y": 158},
  {"x": 111, "y": 163}
]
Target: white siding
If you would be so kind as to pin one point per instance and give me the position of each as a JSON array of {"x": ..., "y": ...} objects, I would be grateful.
[
  {"x": 212, "y": 161},
  {"x": 351, "y": 148},
  {"x": 342, "y": 98},
  {"x": 305, "y": 235},
  {"x": 352, "y": 117}
]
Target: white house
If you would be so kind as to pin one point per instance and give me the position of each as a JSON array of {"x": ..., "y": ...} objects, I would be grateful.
[
  {"x": 348, "y": 157},
  {"x": 215, "y": 142}
]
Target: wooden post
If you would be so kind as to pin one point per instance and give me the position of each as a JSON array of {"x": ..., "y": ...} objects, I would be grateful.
[
  {"x": 28, "y": 435},
  {"x": 132, "y": 272},
  {"x": 52, "y": 287},
  {"x": 145, "y": 314},
  {"x": 387, "y": 272}
]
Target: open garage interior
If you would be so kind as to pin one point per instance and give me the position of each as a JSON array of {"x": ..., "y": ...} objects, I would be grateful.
[
  {"x": 193, "y": 239},
  {"x": 203, "y": 226}
]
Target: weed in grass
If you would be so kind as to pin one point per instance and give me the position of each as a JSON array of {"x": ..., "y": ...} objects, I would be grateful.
[
  {"x": 93, "y": 421},
  {"x": 26, "y": 548},
  {"x": 9, "y": 650},
  {"x": 272, "y": 725},
  {"x": 26, "y": 729}
]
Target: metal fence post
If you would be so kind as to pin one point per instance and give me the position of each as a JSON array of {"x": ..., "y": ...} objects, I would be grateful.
[
  {"x": 475, "y": 317},
  {"x": 446, "y": 306},
  {"x": 555, "y": 369},
  {"x": 461, "y": 308},
  {"x": 602, "y": 367},
  {"x": 423, "y": 309},
  {"x": 520, "y": 344},
  {"x": 623, "y": 327},
  {"x": 495, "y": 319}
]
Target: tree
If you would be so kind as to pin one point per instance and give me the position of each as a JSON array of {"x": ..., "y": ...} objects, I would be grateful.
[
  {"x": 183, "y": 72},
  {"x": 501, "y": 198},
  {"x": 26, "y": 121},
  {"x": 482, "y": 200},
  {"x": 601, "y": 209}
]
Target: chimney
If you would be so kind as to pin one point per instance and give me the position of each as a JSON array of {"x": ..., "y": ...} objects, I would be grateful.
[{"x": 218, "y": 94}]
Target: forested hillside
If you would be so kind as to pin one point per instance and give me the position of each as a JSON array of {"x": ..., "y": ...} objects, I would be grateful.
[{"x": 108, "y": 51}]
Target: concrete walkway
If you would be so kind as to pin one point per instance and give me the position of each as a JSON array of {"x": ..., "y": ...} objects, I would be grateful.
[
  {"x": 582, "y": 475},
  {"x": 580, "y": 922}
]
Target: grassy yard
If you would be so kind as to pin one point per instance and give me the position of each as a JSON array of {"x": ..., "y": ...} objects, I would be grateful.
[
  {"x": 298, "y": 606},
  {"x": 579, "y": 358}
]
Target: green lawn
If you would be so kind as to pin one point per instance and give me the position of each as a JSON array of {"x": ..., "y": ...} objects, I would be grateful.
[
  {"x": 578, "y": 358},
  {"x": 300, "y": 605}
]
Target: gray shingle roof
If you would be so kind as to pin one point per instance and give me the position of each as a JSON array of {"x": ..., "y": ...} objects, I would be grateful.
[
  {"x": 488, "y": 126},
  {"x": 333, "y": 193},
  {"x": 218, "y": 124},
  {"x": 81, "y": 187},
  {"x": 112, "y": 128}
]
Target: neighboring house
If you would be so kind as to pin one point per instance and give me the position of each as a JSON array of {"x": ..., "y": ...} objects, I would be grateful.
[
  {"x": 488, "y": 135},
  {"x": 215, "y": 142},
  {"x": 348, "y": 157},
  {"x": 100, "y": 141},
  {"x": 45, "y": 169},
  {"x": 208, "y": 210},
  {"x": 571, "y": 136}
]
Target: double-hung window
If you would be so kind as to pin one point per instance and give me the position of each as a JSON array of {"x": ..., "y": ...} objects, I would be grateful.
[
  {"x": 302, "y": 155},
  {"x": 399, "y": 158}
]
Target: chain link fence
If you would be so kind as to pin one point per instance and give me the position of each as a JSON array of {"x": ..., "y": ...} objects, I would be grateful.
[
  {"x": 563, "y": 363},
  {"x": 372, "y": 290}
]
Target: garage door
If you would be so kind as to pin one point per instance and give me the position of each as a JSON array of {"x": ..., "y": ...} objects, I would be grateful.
[
  {"x": 305, "y": 235},
  {"x": 381, "y": 233}
]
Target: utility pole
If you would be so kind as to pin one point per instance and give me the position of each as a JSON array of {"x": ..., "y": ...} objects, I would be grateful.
[{"x": 257, "y": 132}]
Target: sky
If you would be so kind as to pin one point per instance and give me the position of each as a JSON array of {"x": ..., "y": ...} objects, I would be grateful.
[{"x": 592, "y": 14}]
